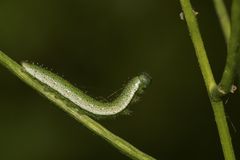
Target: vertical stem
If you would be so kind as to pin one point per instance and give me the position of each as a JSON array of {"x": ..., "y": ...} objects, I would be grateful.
[
  {"x": 198, "y": 44},
  {"x": 223, "y": 129},
  {"x": 223, "y": 18},
  {"x": 217, "y": 105}
]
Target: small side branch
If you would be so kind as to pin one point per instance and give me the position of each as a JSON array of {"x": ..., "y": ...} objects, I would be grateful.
[
  {"x": 233, "y": 56},
  {"x": 223, "y": 18}
]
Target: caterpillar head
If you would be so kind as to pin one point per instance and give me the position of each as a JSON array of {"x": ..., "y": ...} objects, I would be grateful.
[{"x": 145, "y": 80}]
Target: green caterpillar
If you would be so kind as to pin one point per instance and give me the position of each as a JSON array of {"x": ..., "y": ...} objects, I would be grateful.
[{"x": 134, "y": 88}]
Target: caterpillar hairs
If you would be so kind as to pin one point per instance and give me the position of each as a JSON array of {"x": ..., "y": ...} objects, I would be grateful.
[{"x": 131, "y": 91}]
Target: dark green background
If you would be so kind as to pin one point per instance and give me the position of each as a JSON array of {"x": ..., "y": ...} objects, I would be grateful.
[{"x": 98, "y": 46}]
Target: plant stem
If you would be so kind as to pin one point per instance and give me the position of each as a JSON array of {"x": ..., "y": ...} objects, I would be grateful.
[
  {"x": 218, "y": 107},
  {"x": 223, "y": 18},
  {"x": 223, "y": 130},
  {"x": 122, "y": 145},
  {"x": 233, "y": 51},
  {"x": 198, "y": 44}
]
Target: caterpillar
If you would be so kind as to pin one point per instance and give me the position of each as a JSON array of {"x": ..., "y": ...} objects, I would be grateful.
[{"x": 133, "y": 89}]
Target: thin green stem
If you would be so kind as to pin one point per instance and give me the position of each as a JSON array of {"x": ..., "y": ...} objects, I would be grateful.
[
  {"x": 223, "y": 18},
  {"x": 223, "y": 130},
  {"x": 218, "y": 107},
  {"x": 233, "y": 51},
  {"x": 198, "y": 44},
  {"x": 122, "y": 145}
]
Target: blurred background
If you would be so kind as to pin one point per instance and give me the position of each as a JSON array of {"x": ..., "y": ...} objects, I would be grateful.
[{"x": 99, "y": 46}]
